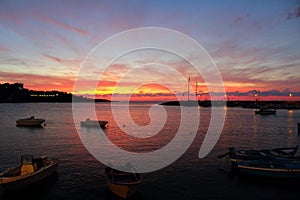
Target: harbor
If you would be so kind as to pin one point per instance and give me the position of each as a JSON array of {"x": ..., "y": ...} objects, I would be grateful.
[{"x": 80, "y": 175}]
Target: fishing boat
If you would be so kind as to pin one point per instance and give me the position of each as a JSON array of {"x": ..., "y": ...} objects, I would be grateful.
[
  {"x": 30, "y": 171},
  {"x": 265, "y": 111},
  {"x": 252, "y": 154},
  {"x": 276, "y": 168},
  {"x": 122, "y": 184},
  {"x": 30, "y": 121},
  {"x": 94, "y": 123}
]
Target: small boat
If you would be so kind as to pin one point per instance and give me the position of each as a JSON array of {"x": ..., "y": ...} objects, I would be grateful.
[
  {"x": 252, "y": 154},
  {"x": 122, "y": 184},
  {"x": 30, "y": 121},
  {"x": 94, "y": 123},
  {"x": 30, "y": 171},
  {"x": 265, "y": 111},
  {"x": 276, "y": 168}
]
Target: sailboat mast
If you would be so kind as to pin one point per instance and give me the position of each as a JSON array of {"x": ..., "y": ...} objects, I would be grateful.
[
  {"x": 196, "y": 90},
  {"x": 189, "y": 88}
]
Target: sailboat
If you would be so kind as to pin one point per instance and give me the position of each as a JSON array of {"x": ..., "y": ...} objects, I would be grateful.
[{"x": 190, "y": 102}]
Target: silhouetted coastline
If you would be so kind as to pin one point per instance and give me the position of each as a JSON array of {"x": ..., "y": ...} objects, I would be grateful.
[
  {"x": 236, "y": 103},
  {"x": 16, "y": 93}
]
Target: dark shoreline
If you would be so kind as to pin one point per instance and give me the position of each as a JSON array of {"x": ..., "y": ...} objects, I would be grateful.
[
  {"x": 244, "y": 104},
  {"x": 16, "y": 93}
]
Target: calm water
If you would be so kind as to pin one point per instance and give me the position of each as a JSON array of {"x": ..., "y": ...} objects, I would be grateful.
[{"x": 81, "y": 176}]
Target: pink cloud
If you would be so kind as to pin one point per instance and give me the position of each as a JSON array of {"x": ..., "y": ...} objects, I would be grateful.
[
  {"x": 2, "y": 48},
  {"x": 22, "y": 24},
  {"x": 63, "y": 25},
  {"x": 64, "y": 61},
  {"x": 39, "y": 82}
]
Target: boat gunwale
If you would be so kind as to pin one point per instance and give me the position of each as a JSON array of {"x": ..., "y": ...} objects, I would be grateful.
[
  {"x": 109, "y": 177},
  {"x": 125, "y": 183},
  {"x": 267, "y": 169},
  {"x": 236, "y": 155}
]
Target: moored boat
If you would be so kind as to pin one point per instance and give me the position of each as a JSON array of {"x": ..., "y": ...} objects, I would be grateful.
[
  {"x": 30, "y": 121},
  {"x": 94, "y": 123},
  {"x": 261, "y": 154},
  {"x": 30, "y": 171},
  {"x": 248, "y": 154},
  {"x": 265, "y": 111},
  {"x": 264, "y": 155},
  {"x": 276, "y": 168},
  {"x": 122, "y": 184}
]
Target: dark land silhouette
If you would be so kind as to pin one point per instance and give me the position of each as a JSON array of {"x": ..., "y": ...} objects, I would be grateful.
[
  {"x": 16, "y": 93},
  {"x": 236, "y": 103}
]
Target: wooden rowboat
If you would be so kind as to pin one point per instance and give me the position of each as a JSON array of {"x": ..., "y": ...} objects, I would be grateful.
[
  {"x": 31, "y": 170},
  {"x": 122, "y": 184}
]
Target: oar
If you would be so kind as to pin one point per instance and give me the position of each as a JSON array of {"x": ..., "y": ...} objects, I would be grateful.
[{"x": 223, "y": 155}]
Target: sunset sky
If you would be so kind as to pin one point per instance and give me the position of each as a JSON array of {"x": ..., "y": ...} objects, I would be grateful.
[{"x": 255, "y": 45}]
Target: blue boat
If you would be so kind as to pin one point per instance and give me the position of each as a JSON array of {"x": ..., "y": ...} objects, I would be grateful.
[
  {"x": 275, "y": 168},
  {"x": 258, "y": 154}
]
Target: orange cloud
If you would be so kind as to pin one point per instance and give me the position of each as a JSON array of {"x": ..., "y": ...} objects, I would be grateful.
[{"x": 38, "y": 82}]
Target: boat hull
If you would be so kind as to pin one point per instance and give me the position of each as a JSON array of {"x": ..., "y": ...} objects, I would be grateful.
[
  {"x": 270, "y": 172},
  {"x": 18, "y": 182},
  {"x": 277, "y": 168},
  {"x": 123, "y": 191},
  {"x": 30, "y": 122},
  {"x": 261, "y": 154},
  {"x": 265, "y": 112},
  {"x": 122, "y": 184},
  {"x": 92, "y": 123}
]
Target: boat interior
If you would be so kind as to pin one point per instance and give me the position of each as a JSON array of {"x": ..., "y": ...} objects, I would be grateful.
[{"x": 120, "y": 176}]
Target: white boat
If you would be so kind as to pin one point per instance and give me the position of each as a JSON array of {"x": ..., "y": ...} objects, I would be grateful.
[
  {"x": 30, "y": 121},
  {"x": 122, "y": 184},
  {"x": 30, "y": 171},
  {"x": 94, "y": 123}
]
